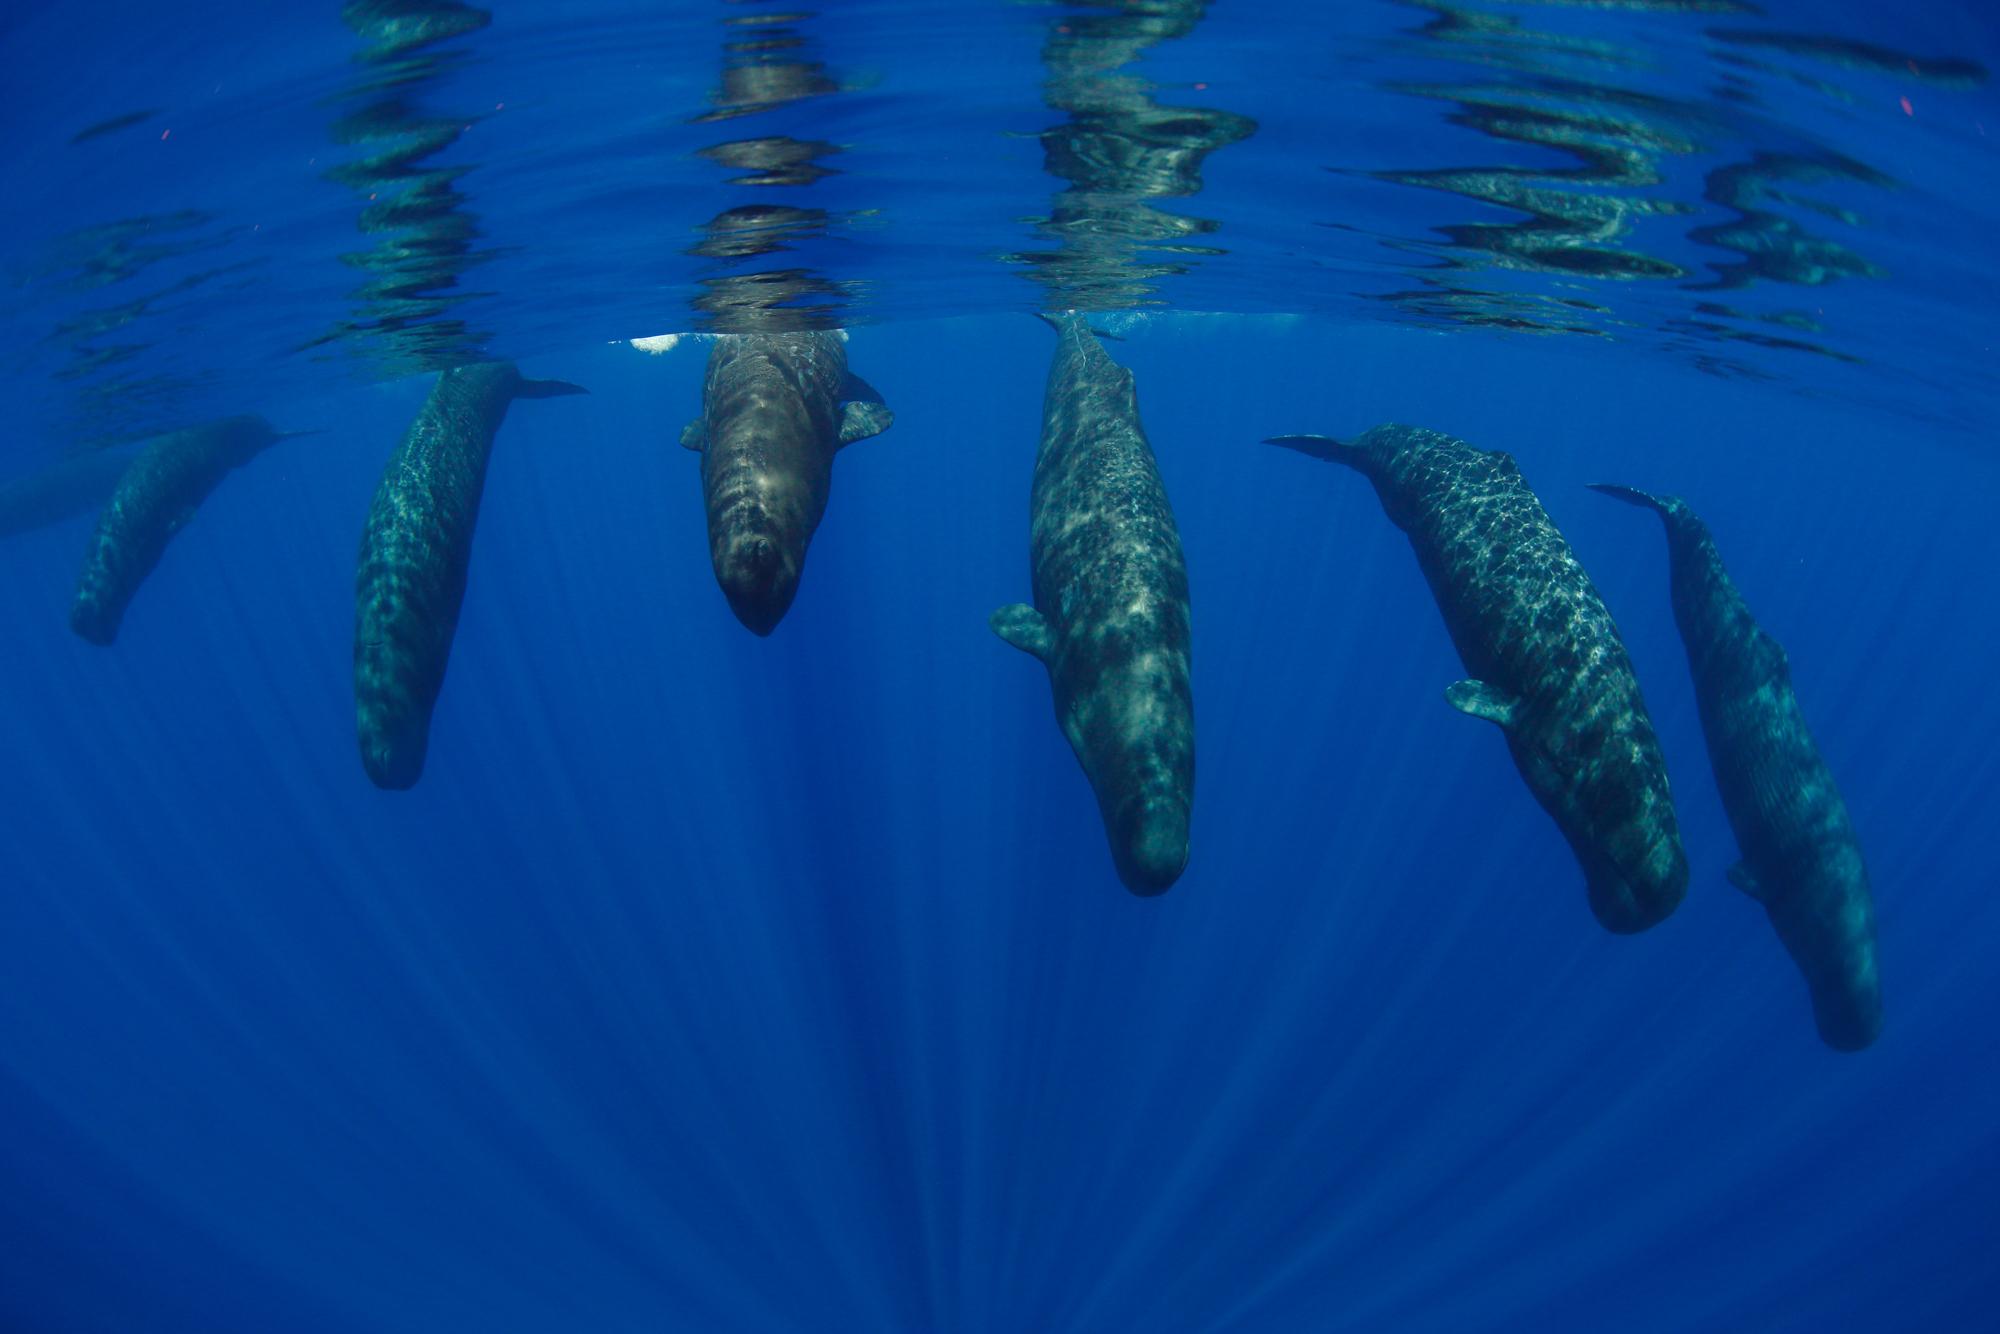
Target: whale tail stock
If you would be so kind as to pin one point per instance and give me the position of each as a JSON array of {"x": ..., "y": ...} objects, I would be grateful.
[
  {"x": 547, "y": 389},
  {"x": 1320, "y": 447}
]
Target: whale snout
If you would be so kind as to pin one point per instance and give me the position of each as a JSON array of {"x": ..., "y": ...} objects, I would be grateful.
[
  {"x": 1847, "y": 1013},
  {"x": 760, "y": 579},
  {"x": 391, "y": 765},
  {"x": 1151, "y": 847},
  {"x": 1628, "y": 895}
]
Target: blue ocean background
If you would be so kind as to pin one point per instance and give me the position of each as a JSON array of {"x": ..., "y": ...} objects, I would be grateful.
[{"x": 714, "y": 983}]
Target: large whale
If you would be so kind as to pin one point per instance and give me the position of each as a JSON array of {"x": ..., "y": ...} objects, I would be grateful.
[
  {"x": 157, "y": 493},
  {"x": 1110, "y": 620},
  {"x": 73, "y": 484},
  {"x": 1546, "y": 661},
  {"x": 410, "y": 580},
  {"x": 775, "y": 408},
  {"x": 1801, "y": 859}
]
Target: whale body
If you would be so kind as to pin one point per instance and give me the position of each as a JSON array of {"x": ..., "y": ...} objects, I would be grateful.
[
  {"x": 156, "y": 496},
  {"x": 1110, "y": 619},
  {"x": 1547, "y": 663},
  {"x": 1801, "y": 859},
  {"x": 410, "y": 580},
  {"x": 775, "y": 408}
]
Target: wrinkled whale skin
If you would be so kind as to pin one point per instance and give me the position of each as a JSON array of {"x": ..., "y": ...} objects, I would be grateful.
[
  {"x": 415, "y": 551},
  {"x": 1801, "y": 858},
  {"x": 1546, "y": 660},
  {"x": 1111, "y": 619}
]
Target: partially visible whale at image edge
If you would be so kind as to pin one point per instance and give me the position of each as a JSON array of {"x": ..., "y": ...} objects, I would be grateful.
[
  {"x": 410, "y": 580},
  {"x": 1547, "y": 664},
  {"x": 1110, "y": 620},
  {"x": 156, "y": 496},
  {"x": 775, "y": 409},
  {"x": 1801, "y": 858},
  {"x": 74, "y": 484}
]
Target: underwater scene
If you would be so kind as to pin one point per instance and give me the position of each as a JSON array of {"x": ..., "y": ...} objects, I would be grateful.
[{"x": 1000, "y": 666}]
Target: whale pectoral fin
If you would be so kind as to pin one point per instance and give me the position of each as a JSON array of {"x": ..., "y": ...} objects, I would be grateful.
[
  {"x": 860, "y": 420},
  {"x": 1740, "y": 876},
  {"x": 1023, "y": 627},
  {"x": 1481, "y": 701},
  {"x": 547, "y": 389},
  {"x": 694, "y": 435},
  {"x": 859, "y": 390}
]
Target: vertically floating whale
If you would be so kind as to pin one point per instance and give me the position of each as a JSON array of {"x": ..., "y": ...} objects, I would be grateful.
[
  {"x": 775, "y": 408},
  {"x": 156, "y": 495},
  {"x": 1110, "y": 620},
  {"x": 1801, "y": 859},
  {"x": 1547, "y": 664},
  {"x": 410, "y": 580}
]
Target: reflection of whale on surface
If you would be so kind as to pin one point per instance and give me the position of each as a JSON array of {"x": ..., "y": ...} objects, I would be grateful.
[
  {"x": 1110, "y": 620},
  {"x": 156, "y": 495},
  {"x": 1801, "y": 859},
  {"x": 69, "y": 486},
  {"x": 775, "y": 409},
  {"x": 1548, "y": 665},
  {"x": 415, "y": 551}
]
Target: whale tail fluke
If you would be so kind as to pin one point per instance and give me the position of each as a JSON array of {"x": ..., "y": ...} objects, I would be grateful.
[
  {"x": 1630, "y": 495},
  {"x": 1320, "y": 447},
  {"x": 548, "y": 389},
  {"x": 1062, "y": 324},
  {"x": 1673, "y": 511}
]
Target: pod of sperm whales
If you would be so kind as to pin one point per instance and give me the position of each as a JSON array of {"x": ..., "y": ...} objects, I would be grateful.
[
  {"x": 775, "y": 408},
  {"x": 1801, "y": 859},
  {"x": 410, "y": 581},
  {"x": 157, "y": 493},
  {"x": 1547, "y": 664},
  {"x": 1110, "y": 620},
  {"x": 71, "y": 485}
]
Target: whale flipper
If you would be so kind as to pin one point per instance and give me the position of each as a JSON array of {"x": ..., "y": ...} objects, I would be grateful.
[
  {"x": 1023, "y": 627},
  {"x": 857, "y": 390},
  {"x": 694, "y": 435},
  {"x": 1319, "y": 447},
  {"x": 1744, "y": 879},
  {"x": 863, "y": 418},
  {"x": 1479, "y": 700},
  {"x": 547, "y": 389}
]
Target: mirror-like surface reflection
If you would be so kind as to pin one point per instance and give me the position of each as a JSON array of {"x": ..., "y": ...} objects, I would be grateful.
[{"x": 1119, "y": 150}]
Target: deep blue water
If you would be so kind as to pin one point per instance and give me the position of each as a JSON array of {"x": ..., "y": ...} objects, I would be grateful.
[{"x": 708, "y": 982}]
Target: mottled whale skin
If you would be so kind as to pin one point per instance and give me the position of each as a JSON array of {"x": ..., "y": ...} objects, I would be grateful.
[
  {"x": 69, "y": 486},
  {"x": 1801, "y": 859},
  {"x": 1110, "y": 620},
  {"x": 156, "y": 495},
  {"x": 1547, "y": 664},
  {"x": 775, "y": 408},
  {"x": 410, "y": 580}
]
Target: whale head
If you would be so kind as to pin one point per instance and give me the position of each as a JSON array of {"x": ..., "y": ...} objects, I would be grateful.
[
  {"x": 1149, "y": 842},
  {"x": 759, "y": 574}
]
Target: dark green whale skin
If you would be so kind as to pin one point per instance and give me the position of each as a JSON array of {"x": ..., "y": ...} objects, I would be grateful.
[
  {"x": 69, "y": 486},
  {"x": 775, "y": 408},
  {"x": 157, "y": 494},
  {"x": 1801, "y": 858},
  {"x": 1110, "y": 619},
  {"x": 1546, "y": 658},
  {"x": 410, "y": 581}
]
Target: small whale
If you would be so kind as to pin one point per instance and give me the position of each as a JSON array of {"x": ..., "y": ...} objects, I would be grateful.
[
  {"x": 1547, "y": 662},
  {"x": 410, "y": 580},
  {"x": 775, "y": 408},
  {"x": 73, "y": 484},
  {"x": 156, "y": 494},
  {"x": 1801, "y": 859},
  {"x": 1110, "y": 620}
]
